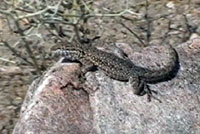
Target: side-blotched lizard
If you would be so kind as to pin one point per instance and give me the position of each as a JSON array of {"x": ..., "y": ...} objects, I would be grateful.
[{"x": 116, "y": 67}]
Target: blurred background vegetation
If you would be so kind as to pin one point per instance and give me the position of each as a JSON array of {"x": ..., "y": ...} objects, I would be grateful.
[{"x": 29, "y": 28}]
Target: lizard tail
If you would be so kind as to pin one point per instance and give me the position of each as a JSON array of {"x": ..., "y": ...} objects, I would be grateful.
[{"x": 166, "y": 73}]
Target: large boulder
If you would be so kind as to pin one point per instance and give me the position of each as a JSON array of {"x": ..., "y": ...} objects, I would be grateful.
[{"x": 61, "y": 103}]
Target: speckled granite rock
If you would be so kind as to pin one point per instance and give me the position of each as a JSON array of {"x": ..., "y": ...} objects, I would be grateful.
[
  {"x": 58, "y": 103},
  {"x": 54, "y": 104}
]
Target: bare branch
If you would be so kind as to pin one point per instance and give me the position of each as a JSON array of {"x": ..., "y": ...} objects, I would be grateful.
[
  {"x": 7, "y": 60},
  {"x": 16, "y": 53},
  {"x": 131, "y": 31}
]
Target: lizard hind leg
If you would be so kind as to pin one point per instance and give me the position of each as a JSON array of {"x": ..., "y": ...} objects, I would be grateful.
[
  {"x": 150, "y": 93},
  {"x": 141, "y": 88},
  {"x": 137, "y": 85}
]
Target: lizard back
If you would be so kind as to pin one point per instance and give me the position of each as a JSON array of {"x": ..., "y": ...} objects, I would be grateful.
[{"x": 116, "y": 67}]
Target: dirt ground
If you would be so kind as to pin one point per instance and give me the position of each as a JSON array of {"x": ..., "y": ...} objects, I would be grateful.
[{"x": 171, "y": 22}]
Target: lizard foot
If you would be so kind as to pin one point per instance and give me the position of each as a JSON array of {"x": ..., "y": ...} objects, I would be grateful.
[
  {"x": 141, "y": 88},
  {"x": 150, "y": 93}
]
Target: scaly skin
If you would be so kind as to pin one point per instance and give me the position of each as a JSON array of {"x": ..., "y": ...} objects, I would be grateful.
[{"x": 118, "y": 68}]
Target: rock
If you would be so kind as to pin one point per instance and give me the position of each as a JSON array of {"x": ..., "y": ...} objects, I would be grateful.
[
  {"x": 59, "y": 102},
  {"x": 56, "y": 104}
]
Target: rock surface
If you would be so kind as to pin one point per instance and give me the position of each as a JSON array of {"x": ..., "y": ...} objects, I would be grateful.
[
  {"x": 58, "y": 101},
  {"x": 55, "y": 105}
]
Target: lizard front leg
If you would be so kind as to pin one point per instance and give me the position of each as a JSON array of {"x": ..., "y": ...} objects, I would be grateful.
[{"x": 86, "y": 67}]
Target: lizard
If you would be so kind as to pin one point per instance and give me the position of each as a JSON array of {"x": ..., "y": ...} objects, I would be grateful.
[{"x": 117, "y": 67}]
